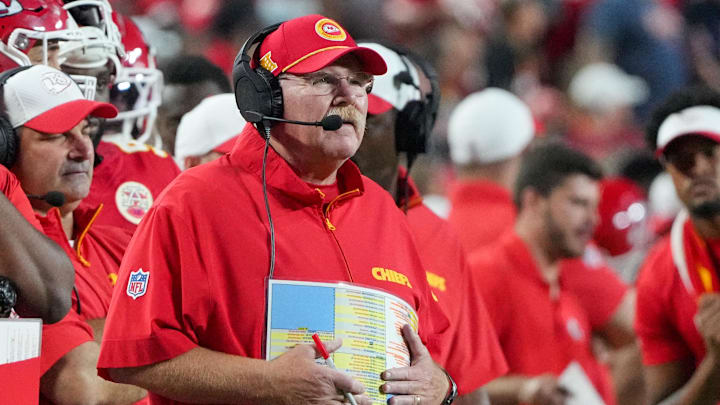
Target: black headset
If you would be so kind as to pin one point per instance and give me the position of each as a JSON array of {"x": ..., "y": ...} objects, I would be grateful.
[
  {"x": 415, "y": 121},
  {"x": 8, "y": 135},
  {"x": 256, "y": 89}
]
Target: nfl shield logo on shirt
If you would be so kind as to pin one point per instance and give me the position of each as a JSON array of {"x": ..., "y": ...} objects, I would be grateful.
[{"x": 137, "y": 285}]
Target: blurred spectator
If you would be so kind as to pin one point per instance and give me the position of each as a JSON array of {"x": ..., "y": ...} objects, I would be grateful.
[
  {"x": 643, "y": 37},
  {"x": 703, "y": 35},
  {"x": 488, "y": 132},
  {"x": 188, "y": 80},
  {"x": 640, "y": 166},
  {"x": 601, "y": 121},
  {"x": 208, "y": 131},
  {"x": 514, "y": 58},
  {"x": 234, "y": 21}
]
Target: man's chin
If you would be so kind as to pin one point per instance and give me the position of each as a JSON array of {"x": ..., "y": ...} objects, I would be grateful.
[{"x": 706, "y": 209}]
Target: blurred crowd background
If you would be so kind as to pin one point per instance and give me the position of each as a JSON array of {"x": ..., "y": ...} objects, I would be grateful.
[{"x": 591, "y": 70}]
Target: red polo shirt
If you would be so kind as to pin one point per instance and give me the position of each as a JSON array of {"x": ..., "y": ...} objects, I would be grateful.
[
  {"x": 204, "y": 247},
  {"x": 10, "y": 186},
  {"x": 480, "y": 211},
  {"x": 470, "y": 351},
  {"x": 129, "y": 179},
  {"x": 95, "y": 253},
  {"x": 538, "y": 333},
  {"x": 666, "y": 311}
]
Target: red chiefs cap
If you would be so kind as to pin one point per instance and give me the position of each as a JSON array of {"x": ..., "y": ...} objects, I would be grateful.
[{"x": 308, "y": 44}]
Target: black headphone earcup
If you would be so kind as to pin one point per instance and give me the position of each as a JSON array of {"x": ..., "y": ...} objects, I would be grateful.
[
  {"x": 8, "y": 143},
  {"x": 274, "y": 98},
  {"x": 258, "y": 91},
  {"x": 411, "y": 128}
]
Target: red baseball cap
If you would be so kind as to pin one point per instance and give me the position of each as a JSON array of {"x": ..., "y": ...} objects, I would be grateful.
[{"x": 308, "y": 44}]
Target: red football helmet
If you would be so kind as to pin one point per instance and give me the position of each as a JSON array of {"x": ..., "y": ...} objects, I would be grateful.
[
  {"x": 137, "y": 90},
  {"x": 101, "y": 50},
  {"x": 25, "y": 22},
  {"x": 623, "y": 216}
]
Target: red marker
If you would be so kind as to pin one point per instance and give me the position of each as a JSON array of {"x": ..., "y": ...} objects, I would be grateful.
[{"x": 328, "y": 360}]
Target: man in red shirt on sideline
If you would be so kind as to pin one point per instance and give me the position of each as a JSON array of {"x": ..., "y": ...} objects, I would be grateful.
[
  {"x": 678, "y": 307},
  {"x": 487, "y": 133},
  {"x": 188, "y": 322},
  {"x": 542, "y": 323},
  {"x": 470, "y": 351},
  {"x": 47, "y": 112},
  {"x": 38, "y": 268}
]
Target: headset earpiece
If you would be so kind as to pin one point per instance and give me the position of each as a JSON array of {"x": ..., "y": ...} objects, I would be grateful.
[
  {"x": 256, "y": 89},
  {"x": 415, "y": 121},
  {"x": 9, "y": 142}
]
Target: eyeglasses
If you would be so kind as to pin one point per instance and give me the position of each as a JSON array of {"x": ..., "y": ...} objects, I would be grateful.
[{"x": 323, "y": 83}]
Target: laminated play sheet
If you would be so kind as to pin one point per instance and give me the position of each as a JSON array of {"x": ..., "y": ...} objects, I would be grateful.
[{"x": 368, "y": 321}]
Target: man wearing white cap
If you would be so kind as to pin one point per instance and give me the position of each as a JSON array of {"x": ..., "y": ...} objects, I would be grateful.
[
  {"x": 471, "y": 351},
  {"x": 208, "y": 131},
  {"x": 487, "y": 133},
  {"x": 47, "y": 119},
  {"x": 678, "y": 308}
]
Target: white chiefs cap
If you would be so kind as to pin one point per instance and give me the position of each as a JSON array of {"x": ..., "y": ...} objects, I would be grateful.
[
  {"x": 489, "y": 126},
  {"x": 389, "y": 90},
  {"x": 49, "y": 101},
  {"x": 212, "y": 125},
  {"x": 702, "y": 120}
]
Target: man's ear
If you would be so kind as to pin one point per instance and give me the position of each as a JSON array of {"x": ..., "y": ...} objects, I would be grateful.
[{"x": 530, "y": 198}]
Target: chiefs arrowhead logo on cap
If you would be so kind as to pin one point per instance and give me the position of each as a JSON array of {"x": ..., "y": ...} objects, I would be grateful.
[
  {"x": 330, "y": 30},
  {"x": 55, "y": 82}
]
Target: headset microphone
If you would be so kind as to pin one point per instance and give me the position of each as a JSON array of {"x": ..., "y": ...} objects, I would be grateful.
[
  {"x": 54, "y": 198},
  {"x": 329, "y": 123}
]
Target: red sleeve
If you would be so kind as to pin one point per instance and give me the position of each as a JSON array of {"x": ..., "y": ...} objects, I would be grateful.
[
  {"x": 473, "y": 356},
  {"x": 11, "y": 188},
  {"x": 598, "y": 289},
  {"x": 159, "y": 323},
  {"x": 61, "y": 337},
  {"x": 659, "y": 340},
  {"x": 490, "y": 286}
]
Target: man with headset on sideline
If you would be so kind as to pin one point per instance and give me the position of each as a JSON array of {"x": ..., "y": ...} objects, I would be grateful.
[
  {"x": 187, "y": 321},
  {"x": 45, "y": 121},
  {"x": 401, "y": 113}
]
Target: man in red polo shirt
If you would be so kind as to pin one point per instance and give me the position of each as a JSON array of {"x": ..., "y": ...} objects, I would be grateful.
[
  {"x": 543, "y": 324},
  {"x": 54, "y": 153},
  {"x": 678, "y": 308},
  {"x": 470, "y": 352},
  {"x": 188, "y": 322},
  {"x": 487, "y": 133}
]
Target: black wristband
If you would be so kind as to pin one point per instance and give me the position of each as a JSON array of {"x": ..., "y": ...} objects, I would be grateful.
[{"x": 452, "y": 389}]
